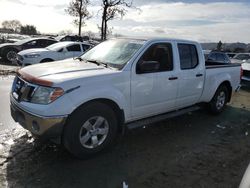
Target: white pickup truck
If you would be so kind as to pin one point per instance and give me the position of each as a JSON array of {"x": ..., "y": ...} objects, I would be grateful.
[{"x": 120, "y": 83}]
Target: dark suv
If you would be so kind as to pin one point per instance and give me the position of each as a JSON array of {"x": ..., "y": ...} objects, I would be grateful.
[{"x": 218, "y": 57}]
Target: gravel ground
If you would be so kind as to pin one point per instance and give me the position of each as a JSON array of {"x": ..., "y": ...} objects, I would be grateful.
[{"x": 193, "y": 150}]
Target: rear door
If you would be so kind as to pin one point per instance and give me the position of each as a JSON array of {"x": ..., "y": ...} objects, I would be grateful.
[
  {"x": 154, "y": 92},
  {"x": 73, "y": 51},
  {"x": 191, "y": 75}
]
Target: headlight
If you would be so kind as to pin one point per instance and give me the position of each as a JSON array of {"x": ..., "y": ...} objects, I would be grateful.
[
  {"x": 46, "y": 95},
  {"x": 32, "y": 55}
]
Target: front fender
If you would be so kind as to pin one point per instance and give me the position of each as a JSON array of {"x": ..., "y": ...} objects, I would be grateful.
[{"x": 84, "y": 95}]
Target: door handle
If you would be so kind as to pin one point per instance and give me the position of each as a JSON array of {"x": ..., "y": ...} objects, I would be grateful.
[
  {"x": 173, "y": 78},
  {"x": 199, "y": 75}
]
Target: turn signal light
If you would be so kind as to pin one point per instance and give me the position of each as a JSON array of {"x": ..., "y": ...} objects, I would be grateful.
[{"x": 58, "y": 92}]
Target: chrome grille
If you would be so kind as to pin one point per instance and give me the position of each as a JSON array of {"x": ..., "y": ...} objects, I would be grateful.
[{"x": 22, "y": 90}]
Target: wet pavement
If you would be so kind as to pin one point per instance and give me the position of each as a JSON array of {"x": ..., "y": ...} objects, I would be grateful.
[
  {"x": 7, "y": 68},
  {"x": 6, "y": 122},
  {"x": 193, "y": 150}
]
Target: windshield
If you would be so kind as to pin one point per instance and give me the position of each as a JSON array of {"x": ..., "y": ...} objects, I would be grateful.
[
  {"x": 21, "y": 42},
  {"x": 114, "y": 52},
  {"x": 55, "y": 47},
  {"x": 58, "y": 38}
]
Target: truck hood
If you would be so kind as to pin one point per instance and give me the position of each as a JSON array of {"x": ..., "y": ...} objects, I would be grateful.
[
  {"x": 66, "y": 70},
  {"x": 33, "y": 50}
]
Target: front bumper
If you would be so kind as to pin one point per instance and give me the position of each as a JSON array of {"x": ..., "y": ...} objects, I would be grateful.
[{"x": 46, "y": 127}]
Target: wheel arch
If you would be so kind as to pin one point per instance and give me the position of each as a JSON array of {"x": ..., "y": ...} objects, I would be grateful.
[
  {"x": 111, "y": 103},
  {"x": 46, "y": 60},
  {"x": 229, "y": 87}
]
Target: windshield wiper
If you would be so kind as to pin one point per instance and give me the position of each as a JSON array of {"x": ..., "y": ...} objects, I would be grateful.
[
  {"x": 98, "y": 62},
  {"x": 78, "y": 58}
]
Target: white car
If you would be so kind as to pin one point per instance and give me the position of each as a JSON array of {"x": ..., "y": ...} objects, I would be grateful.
[
  {"x": 120, "y": 83},
  {"x": 240, "y": 58},
  {"x": 246, "y": 71},
  {"x": 54, "y": 52}
]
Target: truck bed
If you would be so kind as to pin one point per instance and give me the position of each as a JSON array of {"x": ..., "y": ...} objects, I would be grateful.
[
  {"x": 214, "y": 64},
  {"x": 216, "y": 73}
]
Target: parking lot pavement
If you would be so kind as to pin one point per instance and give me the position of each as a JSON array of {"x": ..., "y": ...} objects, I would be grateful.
[
  {"x": 7, "y": 68},
  {"x": 6, "y": 122},
  {"x": 193, "y": 150}
]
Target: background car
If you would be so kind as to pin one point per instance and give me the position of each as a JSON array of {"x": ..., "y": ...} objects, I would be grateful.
[
  {"x": 8, "y": 51},
  {"x": 54, "y": 52},
  {"x": 231, "y": 54},
  {"x": 246, "y": 71},
  {"x": 218, "y": 57},
  {"x": 241, "y": 57},
  {"x": 206, "y": 53},
  {"x": 70, "y": 38}
]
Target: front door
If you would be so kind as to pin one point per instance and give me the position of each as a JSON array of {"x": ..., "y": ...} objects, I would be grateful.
[{"x": 154, "y": 92}]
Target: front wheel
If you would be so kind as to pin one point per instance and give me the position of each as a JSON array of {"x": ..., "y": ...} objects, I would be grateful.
[
  {"x": 90, "y": 130},
  {"x": 10, "y": 55},
  {"x": 218, "y": 102}
]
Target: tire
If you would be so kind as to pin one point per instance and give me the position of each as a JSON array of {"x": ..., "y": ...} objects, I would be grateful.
[
  {"x": 10, "y": 54},
  {"x": 82, "y": 138},
  {"x": 219, "y": 100},
  {"x": 46, "y": 60}
]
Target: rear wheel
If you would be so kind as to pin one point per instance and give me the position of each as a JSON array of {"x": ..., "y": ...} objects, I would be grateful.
[
  {"x": 218, "y": 102},
  {"x": 90, "y": 130}
]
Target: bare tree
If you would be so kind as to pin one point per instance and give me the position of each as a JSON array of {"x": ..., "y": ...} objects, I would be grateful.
[
  {"x": 112, "y": 9},
  {"x": 219, "y": 46},
  {"x": 66, "y": 32},
  {"x": 90, "y": 34},
  {"x": 78, "y": 8},
  {"x": 28, "y": 30},
  {"x": 13, "y": 25}
]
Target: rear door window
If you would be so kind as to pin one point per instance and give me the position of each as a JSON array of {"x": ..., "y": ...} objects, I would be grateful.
[
  {"x": 188, "y": 56},
  {"x": 43, "y": 43},
  {"x": 85, "y": 47},
  {"x": 74, "y": 48}
]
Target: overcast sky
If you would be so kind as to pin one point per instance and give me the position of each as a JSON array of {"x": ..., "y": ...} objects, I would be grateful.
[{"x": 200, "y": 20}]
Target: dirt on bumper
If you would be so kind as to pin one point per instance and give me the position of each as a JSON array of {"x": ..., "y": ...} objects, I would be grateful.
[{"x": 46, "y": 127}]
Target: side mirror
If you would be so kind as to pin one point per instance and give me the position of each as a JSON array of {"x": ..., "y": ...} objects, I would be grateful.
[{"x": 148, "y": 67}]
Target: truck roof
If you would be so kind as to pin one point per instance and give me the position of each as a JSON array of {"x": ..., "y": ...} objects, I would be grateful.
[{"x": 155, "y": 39}]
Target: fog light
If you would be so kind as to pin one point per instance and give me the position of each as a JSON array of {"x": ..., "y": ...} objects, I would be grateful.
[{"x": 35, "y": 126}]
